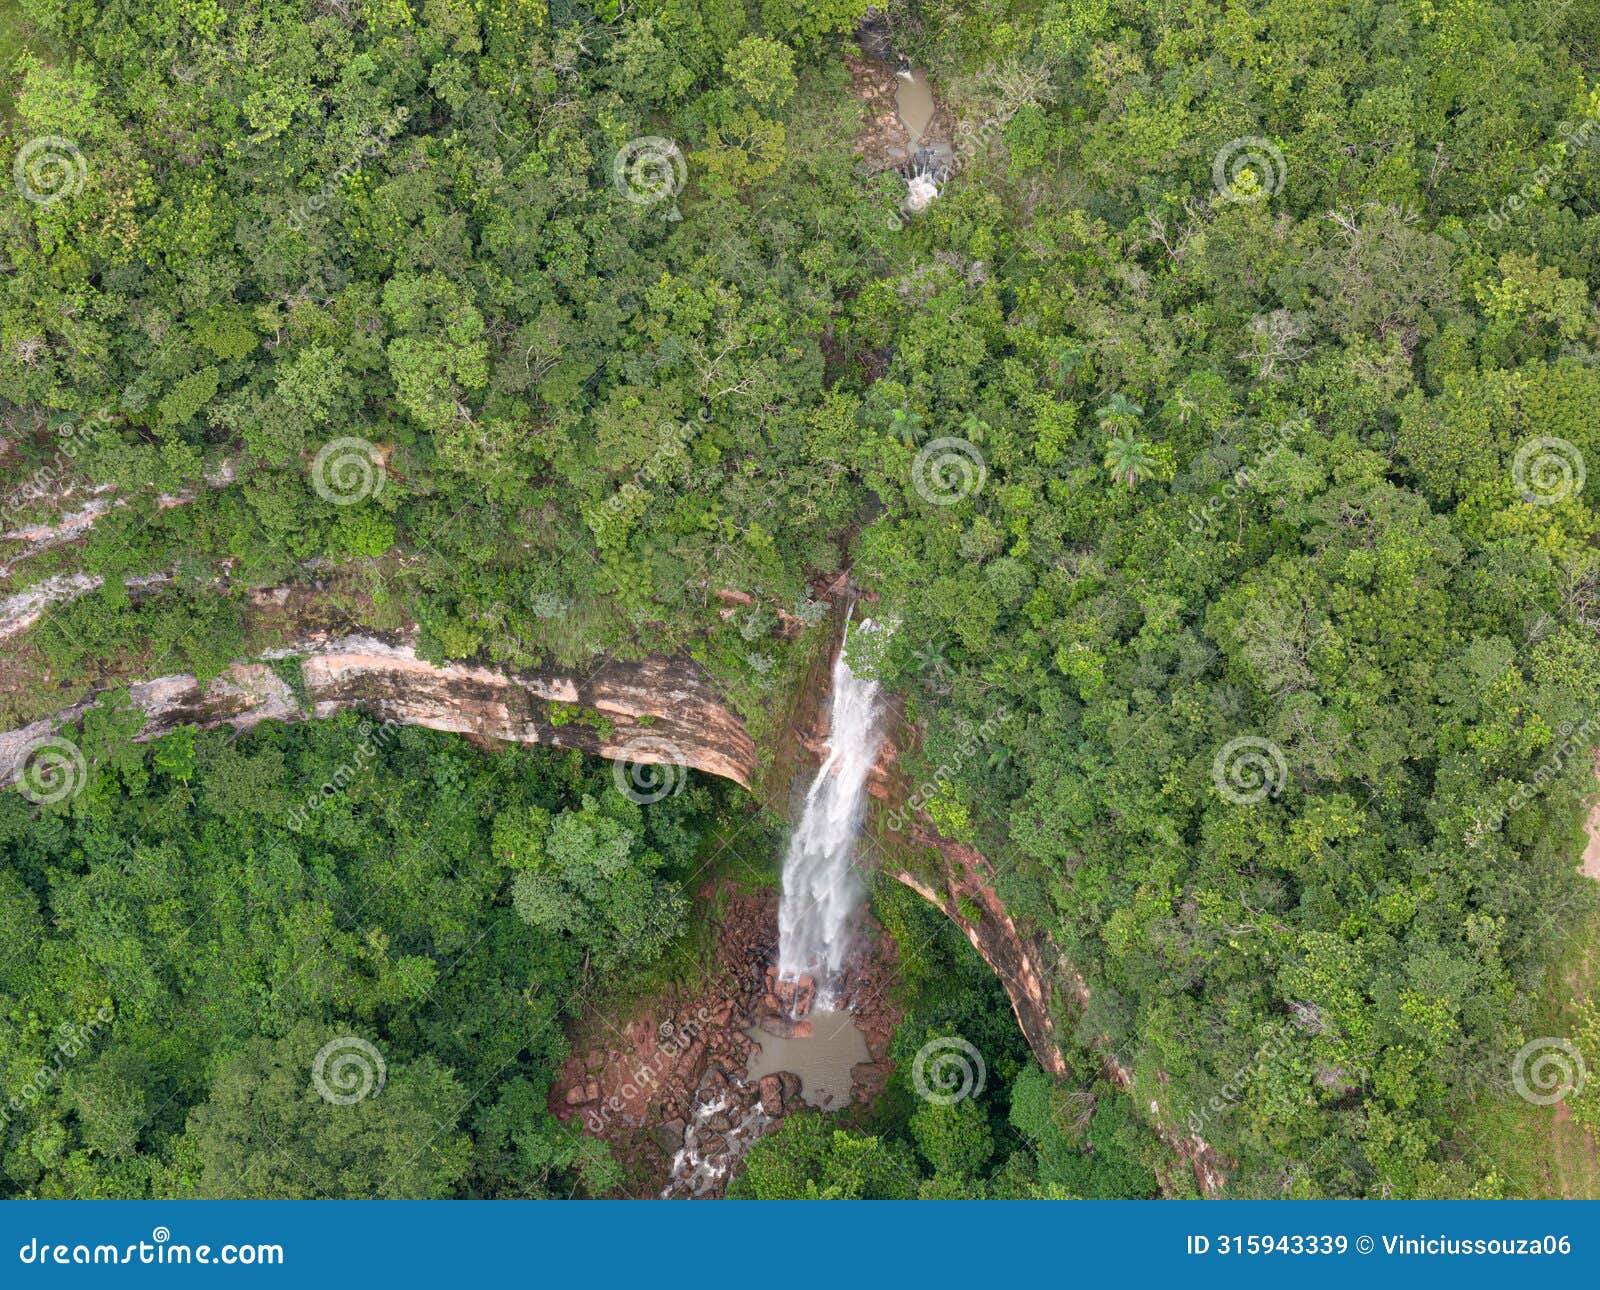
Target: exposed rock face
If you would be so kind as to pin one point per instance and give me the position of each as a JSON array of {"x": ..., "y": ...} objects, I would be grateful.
[
  {"x": 650, "y": 711},
  {"x": 1019, "y": 961},
  {"x": 17, "y": 544},
  {"x": 1029, "y": 967},
  {"x": 20, "y": 611},
  {"x": 1014, "y": 957}
]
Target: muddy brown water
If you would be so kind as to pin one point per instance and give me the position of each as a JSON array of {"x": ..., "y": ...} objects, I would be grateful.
[
  {"x": 822, "y": 1062},
  {"x": 913, "y": 100}
]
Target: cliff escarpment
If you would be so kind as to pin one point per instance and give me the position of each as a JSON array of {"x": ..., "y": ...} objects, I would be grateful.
[
  {"x": 649, "y": 711},
  {"x": 657, "y": 710}
]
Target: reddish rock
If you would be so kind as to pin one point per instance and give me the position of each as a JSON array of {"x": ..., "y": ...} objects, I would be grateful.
[
  {"x": 795, "y": 997},
  {"x": 868, "y": 1079},
  {"x": 700, "y": 1064},
  {"x": 785, "y": 1027}
]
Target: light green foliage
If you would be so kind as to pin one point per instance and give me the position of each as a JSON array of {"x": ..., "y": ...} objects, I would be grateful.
[
  {"x": 263, "y": 1133},
  {"x": 954, "y": 1139},
  {"x": 589, "y": 877},
  {"x": 762, "y": 70},
  {"x": 807, "y": 1159}
]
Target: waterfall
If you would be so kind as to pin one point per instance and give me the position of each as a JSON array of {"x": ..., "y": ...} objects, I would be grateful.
[{"x": 821, "y": 891}]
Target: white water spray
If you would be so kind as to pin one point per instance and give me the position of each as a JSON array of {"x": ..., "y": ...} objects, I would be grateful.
[{"x": 821, "y": 891}]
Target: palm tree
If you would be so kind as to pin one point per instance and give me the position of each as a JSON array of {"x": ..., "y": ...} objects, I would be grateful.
[
  {"x": 930, "y": 657},
  {"x": 905, "y": 426},
  {"x": 1129, "y": 460},
  {"x": 1066, "y": 358},
  {"x": 1119, "y": 416}
]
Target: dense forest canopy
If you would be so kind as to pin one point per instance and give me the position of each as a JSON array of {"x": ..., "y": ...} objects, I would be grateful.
[
  {"x": 181, "y": 951},
  {"x": 1223, "y": 422}
]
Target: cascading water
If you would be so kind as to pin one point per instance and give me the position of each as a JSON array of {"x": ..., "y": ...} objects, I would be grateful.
[{"x": 821, "y": 892}]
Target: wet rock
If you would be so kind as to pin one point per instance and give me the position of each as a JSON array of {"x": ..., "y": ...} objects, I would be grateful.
[
  {"x": 786, "y": 1027},
  {"x": 869, "y": 1079}
]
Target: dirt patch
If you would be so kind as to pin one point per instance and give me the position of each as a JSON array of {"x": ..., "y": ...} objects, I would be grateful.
[{"x": 668, "y": 1089}]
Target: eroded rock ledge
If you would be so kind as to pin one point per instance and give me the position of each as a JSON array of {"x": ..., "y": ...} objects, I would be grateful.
[
  {"x": 649, "y": 711},
  {"x": 657, "y": 710}
]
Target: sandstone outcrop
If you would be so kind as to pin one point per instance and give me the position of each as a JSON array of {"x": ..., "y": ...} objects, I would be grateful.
[{"x": 648, "y": 711}]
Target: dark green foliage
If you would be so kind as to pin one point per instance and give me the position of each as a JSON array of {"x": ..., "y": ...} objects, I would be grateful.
[
  {"x": 188, "y": 933},
  {"x": 995, "y": 1130}
]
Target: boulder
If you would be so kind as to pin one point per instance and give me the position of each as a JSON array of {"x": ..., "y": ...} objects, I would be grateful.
[
  {"x": 868, "y": 1079},
  {"x": 771, "y": 1087},
  {"x": 785, "y": 1027}
]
